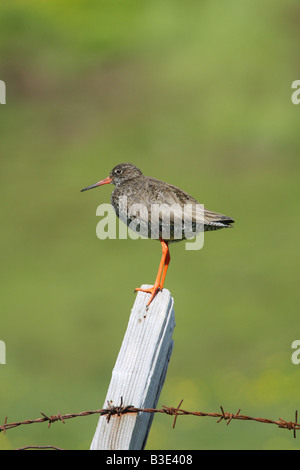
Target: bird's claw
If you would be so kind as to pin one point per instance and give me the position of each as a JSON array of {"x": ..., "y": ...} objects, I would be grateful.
[{"x": 151, "y": 290}]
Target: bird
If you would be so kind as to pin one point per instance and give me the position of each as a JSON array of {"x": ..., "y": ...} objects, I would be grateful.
[{"x": 150, "y": 196}]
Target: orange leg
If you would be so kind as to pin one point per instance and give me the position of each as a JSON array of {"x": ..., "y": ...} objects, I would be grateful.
[
  {"x": 161, "y": 274},
  {"x": 167, "y": 262}
]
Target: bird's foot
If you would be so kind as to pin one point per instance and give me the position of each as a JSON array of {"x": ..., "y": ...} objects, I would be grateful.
[{"x": 151, "y": 290}]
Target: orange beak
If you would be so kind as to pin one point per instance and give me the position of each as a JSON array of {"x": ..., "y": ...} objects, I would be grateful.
[{"x": 107, "y": 180}]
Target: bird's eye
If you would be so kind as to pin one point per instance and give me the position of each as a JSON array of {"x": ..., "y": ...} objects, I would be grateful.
[{"x": 118, "y": 171}]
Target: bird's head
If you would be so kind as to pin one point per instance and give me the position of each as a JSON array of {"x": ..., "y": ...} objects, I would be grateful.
[{"x": 118, "y": 175}]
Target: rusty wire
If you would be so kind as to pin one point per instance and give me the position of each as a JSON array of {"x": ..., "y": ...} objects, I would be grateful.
[
  {"x": 40, "y": 448},
  {"x": 121, "y": 410}
]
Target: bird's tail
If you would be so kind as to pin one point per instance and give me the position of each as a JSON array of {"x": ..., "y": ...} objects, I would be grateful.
[{"x": 215, "y": 221}]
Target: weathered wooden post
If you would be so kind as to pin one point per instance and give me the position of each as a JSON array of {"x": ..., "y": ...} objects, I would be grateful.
[{"x": 139, "y": 373}]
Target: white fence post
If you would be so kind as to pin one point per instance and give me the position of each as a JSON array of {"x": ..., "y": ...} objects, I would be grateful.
[{"x": 139, "y": 373}]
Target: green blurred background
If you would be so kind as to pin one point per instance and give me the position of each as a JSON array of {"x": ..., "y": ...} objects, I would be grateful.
[{"x": 194, "y": 93}]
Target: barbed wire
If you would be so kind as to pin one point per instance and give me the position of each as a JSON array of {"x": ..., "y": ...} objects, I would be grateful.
[
  {"x": 121, "y": 410},
  {"x": 40, "y": 448}
]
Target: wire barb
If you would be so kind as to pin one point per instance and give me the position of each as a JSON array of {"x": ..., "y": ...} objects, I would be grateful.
[
  {"x": 173, "y": 411},
  {"x": 228, "y": 416},
  {"x": 117, "y": 410},
  {"x": 3, "y": 427},
  {"x": 290, "y": 425}
]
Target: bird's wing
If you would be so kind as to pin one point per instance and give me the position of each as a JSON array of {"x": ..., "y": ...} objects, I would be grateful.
[
  {"x": 189, "y": 209},
  {"x": 170, "y": 204}
]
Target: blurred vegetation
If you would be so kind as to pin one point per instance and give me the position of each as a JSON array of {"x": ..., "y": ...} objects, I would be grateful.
[{"x": 197, "y": 94}]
